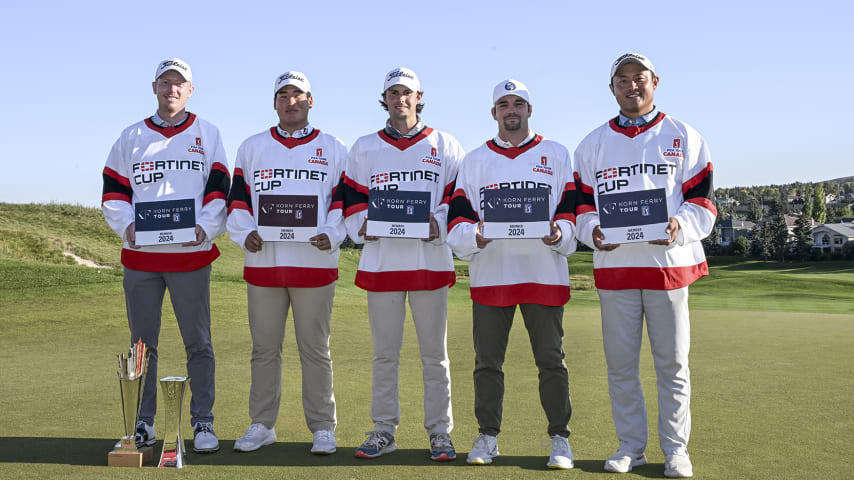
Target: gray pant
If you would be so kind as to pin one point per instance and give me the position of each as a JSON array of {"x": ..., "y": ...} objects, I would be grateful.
[
  {"x": 387, "y": 312},
  {"x": 268, "y": 311},
  {"x": 669, "y": 329},
  {"x": 545, "y": 330},
  {"x": 190, "y": 295}
]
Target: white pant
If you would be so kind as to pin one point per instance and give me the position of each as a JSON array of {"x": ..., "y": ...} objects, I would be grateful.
[
  {"x": 668, "y": 327},
  {"x": 387, "y": 311}
]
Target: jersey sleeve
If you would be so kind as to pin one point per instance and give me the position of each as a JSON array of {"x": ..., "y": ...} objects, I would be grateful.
[
  {"x": 564, "y": 215},
  {"x": 117, "y": 193},
  {"x": 586, "y": 215},
  {"x": 241, "y": 218},
  {"x": 696, "y": 215},
  {"x": 453, "y": 158},
  {"x": 334, "y": 227},
  {"x": 212, "y": 217},
  {"x": 354, "y": 193},
  {"x": 462, "y": 216}
]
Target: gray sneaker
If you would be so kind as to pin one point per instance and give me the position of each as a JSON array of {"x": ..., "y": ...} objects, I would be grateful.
[
  {"x": 377, "y": 443},
  {"x": 204, "y": 438}
]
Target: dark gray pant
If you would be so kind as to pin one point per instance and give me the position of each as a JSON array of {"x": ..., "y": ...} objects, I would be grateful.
[
  {"x": 545, "y": 330},
  {"x": 190, "y": 295}
]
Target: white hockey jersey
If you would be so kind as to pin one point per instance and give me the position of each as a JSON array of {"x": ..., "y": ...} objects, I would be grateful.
[
  {"x": 512, "y": 271},
  {"x": 268, "y": 163},
  {"x": 151, "y": 163},
  {"x": 665, "y": 153},
  {"x": 427, "y": 162}
]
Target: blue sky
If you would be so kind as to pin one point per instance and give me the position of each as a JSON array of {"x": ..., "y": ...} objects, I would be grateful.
[{"x": 766, "y": 83}]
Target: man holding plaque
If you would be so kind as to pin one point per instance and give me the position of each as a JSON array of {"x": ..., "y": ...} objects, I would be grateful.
[
  {"x": 639, "y": 165},
  {"x": 395, "y": 194},
  {"x": 281, "y": 213},
  {"x": 512, "y": 217},
  {"x": 166, "y": 178}
]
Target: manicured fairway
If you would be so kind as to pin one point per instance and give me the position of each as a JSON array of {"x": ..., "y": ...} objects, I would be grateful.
[{"x": 772, "y": 381}]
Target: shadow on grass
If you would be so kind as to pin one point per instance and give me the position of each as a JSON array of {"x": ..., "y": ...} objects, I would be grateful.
[{"x": 93, "y": 452}]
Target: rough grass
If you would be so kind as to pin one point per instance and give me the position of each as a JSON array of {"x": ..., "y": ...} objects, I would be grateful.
[{"x": 771, "y": 375}]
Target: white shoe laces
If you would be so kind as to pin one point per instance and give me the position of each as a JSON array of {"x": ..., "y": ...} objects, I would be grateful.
[
  {"x": 255, "y": 429},
  {"x": 558, "y": 444}
]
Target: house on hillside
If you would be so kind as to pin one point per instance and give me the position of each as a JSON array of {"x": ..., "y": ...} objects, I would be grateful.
[
  {"x": 727, "y": 202},
  {"x": 830, "y": 199},
  {"x": 790, "y": 224},
  {"x": 832, "y": 236},
  {"x": 732, "y": 228}
]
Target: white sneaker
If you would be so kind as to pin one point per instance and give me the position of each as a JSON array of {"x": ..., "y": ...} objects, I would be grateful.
[
  {"x": 256, "y": 436},
  {"x": 483, "y": 450},
  {"x": 324, "y": 442},
  {"x": 561, "y": 454},
  {"x": 678, "y": 466},
  {"x": 623, "y": 462},
  {"x": 204, "y": 438}
]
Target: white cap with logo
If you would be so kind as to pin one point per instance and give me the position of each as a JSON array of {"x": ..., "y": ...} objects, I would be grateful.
[
  {"x": 176, "y": 64},
  {"x": 297, "y": 79},
  {"x": 402, "y": 76},
  {"x": 631, "y": 58},
  {"x": 510, "y": 87}
]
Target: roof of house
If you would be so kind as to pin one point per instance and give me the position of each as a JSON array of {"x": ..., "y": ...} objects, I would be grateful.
[{"x": 844, "y": 229}]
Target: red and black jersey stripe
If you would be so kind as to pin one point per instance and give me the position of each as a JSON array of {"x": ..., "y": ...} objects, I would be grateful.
[
  {"x": 240, "y": 195},
  {"x": 585, "y": 202},
  {"x": 699, "y": 189},
  {"x": 354, "y": 197},
  {"x": 218, "y": 183},
  {"x": 338, "y": 195},
  {"x": 116, "y": 187},
  {"x": 460, "y": 210},
  {"x": 566, "y": 208}
]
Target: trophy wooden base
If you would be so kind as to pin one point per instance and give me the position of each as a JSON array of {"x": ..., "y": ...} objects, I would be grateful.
[{"x": 137, "y": 459}]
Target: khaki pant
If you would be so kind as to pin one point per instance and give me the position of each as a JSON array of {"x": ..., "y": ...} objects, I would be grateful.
[
  {"x": 387, "y": 311},
  {"x": 268, "y": 311}
]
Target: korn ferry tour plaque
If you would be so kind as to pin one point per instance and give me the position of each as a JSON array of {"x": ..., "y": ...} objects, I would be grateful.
[
  {"x": 287, "y": 218},
  {"x": 398, "y": 213},
  {"x": 517, "y": 213},
  {"x": 165, "y": 222},
  {"x": 631, "y": 217}
]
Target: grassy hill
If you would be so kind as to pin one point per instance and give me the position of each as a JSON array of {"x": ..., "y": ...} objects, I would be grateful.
[{"x": 770, "y": 363}]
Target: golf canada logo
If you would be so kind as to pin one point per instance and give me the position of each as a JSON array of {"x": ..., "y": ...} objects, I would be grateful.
[
  {"x": 318, "y": 158},
  {"x": 543, "y": 167},
  {"x": 676, "y": 151},
  {"x": 432, "y": 159},
  {"x": 197, "y": 148}
]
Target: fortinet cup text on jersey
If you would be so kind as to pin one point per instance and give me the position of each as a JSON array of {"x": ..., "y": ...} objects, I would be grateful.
[
  {"x": 268, "y": 179},
  {"x": 152, "y": 171},
  {"x": 613, "y": 180}
]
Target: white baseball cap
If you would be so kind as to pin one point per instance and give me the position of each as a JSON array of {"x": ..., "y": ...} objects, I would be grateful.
[
  {"x": 631, "y": 58},
  {"x": 297, "y": 79},
  {"x": 510, "y": 87},
  {"x": 402, "y": 76},
  {"x": 176, "y": 64}
]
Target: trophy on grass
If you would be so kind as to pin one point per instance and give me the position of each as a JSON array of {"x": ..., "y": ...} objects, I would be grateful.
[
  {"x": 131, "y": 372},
  {"x": 174, "y": 455}
]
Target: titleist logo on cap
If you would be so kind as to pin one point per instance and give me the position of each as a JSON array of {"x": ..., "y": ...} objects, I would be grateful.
[
  {"x": 291, "y": 75},
  {"x": 637, "y": 57},
  {"x": 173, "y": 63},
  {"x": 399, "y": 73}
]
